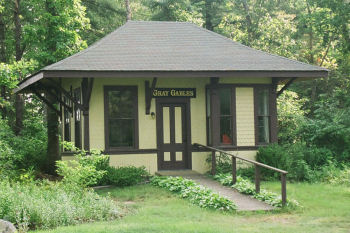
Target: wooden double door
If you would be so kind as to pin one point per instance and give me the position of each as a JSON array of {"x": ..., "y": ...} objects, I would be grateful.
[{"x": 173, "y": 133}]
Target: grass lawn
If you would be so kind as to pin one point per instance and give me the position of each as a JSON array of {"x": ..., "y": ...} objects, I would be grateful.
[{"x": 326, "y": 208}]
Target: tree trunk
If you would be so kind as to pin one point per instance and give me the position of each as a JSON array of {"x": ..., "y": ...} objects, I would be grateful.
[
  {"x": 248, "y": 21},
  {"x": 345, "y": 35},
  {"x": 19, "y": 102},
  {"x": 128, "y": 11},
  {"x": 311, "y": 61},
  {"x": 208, "y": 16},
  {"x": 2, "y": 59},
  {"x": 53, "y": 153},
  {"x": 18, "y": 29},
  {"x": 2, "y": 39}
]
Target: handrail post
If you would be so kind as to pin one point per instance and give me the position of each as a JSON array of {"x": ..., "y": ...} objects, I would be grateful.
[
  {"x": 257, "y": 170},
  {"x": 284, "y": 188},
  {"x": 234, "y": 170},
  {"x": 213, "y": 163},
  {"x": 257, "y": 179}
]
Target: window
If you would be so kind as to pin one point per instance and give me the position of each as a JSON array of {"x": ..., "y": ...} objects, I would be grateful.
[
  {"x": 77, "y": 119},
  {"x": 121, "y": 117},
  {"x": 221, "y": 116},
  {"x": 66, "y": 122},
  {"x": 263, "y": 115},
  {"x": 226, "y": 128}
]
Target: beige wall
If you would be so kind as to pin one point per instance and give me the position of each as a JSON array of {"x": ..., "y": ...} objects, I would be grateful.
[
  {"x": 147, "y": 125},
  {"x": 138, "y": 160},
  {"x": 245, "y": 80}
]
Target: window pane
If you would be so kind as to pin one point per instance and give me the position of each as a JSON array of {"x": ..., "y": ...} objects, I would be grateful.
[
  {"x": 121, "y": 132},
  {"x": 208, "y": 116},
  {"x": 225, "y": 101},
  {"x": 77, "y": 119},
  {"x": 77, "y": 139},
  {"x": 226, "y": 130},
  {"x": 120, "y": 103},
  {"x": 263, "y": 98},
  {"x": 66, "y": 132},
  {"x": 263, "y": 129},
  {"x": 66, "y": 122}
]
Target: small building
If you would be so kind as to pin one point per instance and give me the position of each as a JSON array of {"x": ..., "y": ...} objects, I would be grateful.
[{"x": 148, "y": 91}]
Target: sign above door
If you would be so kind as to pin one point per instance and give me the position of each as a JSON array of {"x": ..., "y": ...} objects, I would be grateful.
[{"x": 174, "y": 92}]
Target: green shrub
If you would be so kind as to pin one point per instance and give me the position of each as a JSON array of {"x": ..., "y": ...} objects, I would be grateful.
[
  {"x": 341, "y": 177},
  {"x": 95, "y": 159},
  {"x": 196, "y": 194},
  {"x": 90, "y": 170},
  {"x": 298, "y": 159},
  {"x": 332, "y": 174},
  {"x": 84, "y": 170},
  {"x": 75, "y": 173},
  {"x": 27, "y": 150},
  {"x": 246, "y": 172},
  {"x": 223, "y": 162},
  {"x": 124, "y": 176},
  {"x": 49, "y": 204}
]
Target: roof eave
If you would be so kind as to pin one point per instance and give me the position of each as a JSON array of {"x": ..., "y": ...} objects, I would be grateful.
[
  {"x": 29, "y": 81},
  {"x": 168, "y": 74}
]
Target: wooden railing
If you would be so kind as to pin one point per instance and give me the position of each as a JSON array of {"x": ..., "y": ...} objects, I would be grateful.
[{"x": 257, "y": 169}]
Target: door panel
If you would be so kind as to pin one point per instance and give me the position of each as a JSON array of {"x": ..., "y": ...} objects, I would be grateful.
[
  {"x": 166, "y": 124},
  {"x": 178, "y": 123},
  {"x": 172, "y": 135}
]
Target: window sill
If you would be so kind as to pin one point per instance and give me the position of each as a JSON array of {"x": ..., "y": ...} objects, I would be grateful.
[
  {"x": 130, "y": 151},
  {"x": 228, "y": 148}
]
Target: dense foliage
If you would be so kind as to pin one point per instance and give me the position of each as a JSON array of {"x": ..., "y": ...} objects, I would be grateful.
[
  {"x": 124, "y": 176},
  {"x": 303, "y": 163},
  {"x": 24, "y": 152},
  {"x": 196, "y": 194},
  {"x": 47, "y": 204},
  {"x": 86, "y": 170}
]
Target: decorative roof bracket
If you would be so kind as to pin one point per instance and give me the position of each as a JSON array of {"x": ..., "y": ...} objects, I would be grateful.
[{"x": 285, "y": 86}]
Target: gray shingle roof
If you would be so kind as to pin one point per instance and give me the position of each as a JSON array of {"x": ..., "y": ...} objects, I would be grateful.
[{"x": 173, "y": 46}]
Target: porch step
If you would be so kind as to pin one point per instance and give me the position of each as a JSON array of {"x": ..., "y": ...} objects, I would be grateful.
[
  {"x": 183, "y": 173},
  {"x": 243, "y": 202}
]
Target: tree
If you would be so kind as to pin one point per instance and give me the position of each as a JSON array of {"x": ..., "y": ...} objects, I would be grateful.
[
  {"x": 128, "y": 11},
  {"x": 2, "y": 55},
  {"x": 19, "y": 102},
  {"x": 50, "y": 30},
  {"x": 104, "y": 16},
  {"x": 171, "y": 10},
  {"x": 212, "y": 12},
  {"x": 57, "y": 17}
]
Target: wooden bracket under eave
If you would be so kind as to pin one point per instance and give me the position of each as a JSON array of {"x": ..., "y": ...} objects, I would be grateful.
[
  {"x": 46, "y": 101},
  {"x": 65, "y": 93},
  {"x": 285, "y": 87},
  {"x": 148, "y": 94},
  {"x": 86, "y": 86},
  {"x": 58, "y": 98}
]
